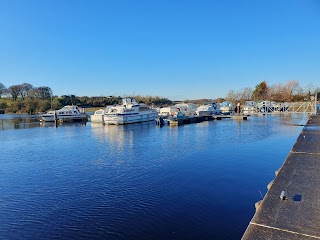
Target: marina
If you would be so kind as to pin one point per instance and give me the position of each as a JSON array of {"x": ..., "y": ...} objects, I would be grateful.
[
  {"x": 185, "y": 113},
  {"x": 159, "y": 120}
]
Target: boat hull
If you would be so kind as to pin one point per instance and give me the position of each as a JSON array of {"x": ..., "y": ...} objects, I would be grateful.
[
  {"x": 249, "y": 110},
  {"x": 206, "y": 113},
  {"x": 52, "y": 118},
  {"x": 128, "y": 119},
  {"x": 97, "y": 118},
  {"x": 225, "y": 110}
]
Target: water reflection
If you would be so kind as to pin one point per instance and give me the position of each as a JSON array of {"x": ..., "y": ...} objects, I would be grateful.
[
  {"x": 24, "y": 121},
  {"x": 18, "y": 121},
  {"x": 256, "y": 128},
  {"x": 63, "y": 124},
  {"x": 139, "y": 181},
  {"x": 116, "y": 142},
  {"x": 121, "y": 135}
]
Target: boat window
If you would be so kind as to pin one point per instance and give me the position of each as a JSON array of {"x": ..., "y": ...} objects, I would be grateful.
[{"x": 75, "y": 111}]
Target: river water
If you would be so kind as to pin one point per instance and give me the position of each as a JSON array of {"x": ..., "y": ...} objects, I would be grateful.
[{"x": 140, "y": 181}]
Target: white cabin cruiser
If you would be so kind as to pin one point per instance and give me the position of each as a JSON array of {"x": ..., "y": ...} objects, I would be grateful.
[
  {"x": 250, "y": 107},
  {"x": 207, "y": 109},
  {"x": 227, "y": 107},
  {"x": 129, "y": 111},
  {"x": 98, "y": 116},
  {"x": 168, "y": 111},
  {"x": 188, "y": 109},
  {"x": 67, "y": 113}
]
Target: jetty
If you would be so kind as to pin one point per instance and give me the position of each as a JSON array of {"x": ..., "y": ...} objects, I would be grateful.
[
  {"x": 291, "y": 207},
  {"x": 198, "y": 119}
]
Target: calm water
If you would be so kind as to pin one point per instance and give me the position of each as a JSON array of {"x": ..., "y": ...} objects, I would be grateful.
[{"x": 77, "y": 181}]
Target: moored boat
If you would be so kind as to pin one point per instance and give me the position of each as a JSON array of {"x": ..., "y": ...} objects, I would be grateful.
[
  {"x": 98, "y": 116},
  {"x": 67, "y": 113},
  {"x": 168, "y": 111},
  {"x": 129, "y": 111},
  {"x": 227, "y": 107},
  {"x": 188, "y": 109},
  {"x": 250, "y": 107},
  {"x": 207, "y": 109}
]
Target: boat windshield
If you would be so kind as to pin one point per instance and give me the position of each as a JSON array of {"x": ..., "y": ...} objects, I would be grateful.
[{"x": 225, "y": 104}]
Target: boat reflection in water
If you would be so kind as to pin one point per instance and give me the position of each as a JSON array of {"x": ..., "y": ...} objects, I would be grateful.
[
  {"x": 119, "y": 143},
  {"x": 63, "y": 124},
  {"x": 119, "y": 134},
  {"x": 18, "y": 121}
]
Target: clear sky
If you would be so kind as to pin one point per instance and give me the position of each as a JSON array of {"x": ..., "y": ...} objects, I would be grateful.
[{"x": 180, "y": 49}]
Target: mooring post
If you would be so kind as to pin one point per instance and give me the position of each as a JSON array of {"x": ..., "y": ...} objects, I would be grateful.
[
  {"x": 55, "y": 117},
  {"x": 315, "y": 103}
]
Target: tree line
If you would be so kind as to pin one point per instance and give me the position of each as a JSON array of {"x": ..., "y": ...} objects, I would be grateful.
[
  {"x": 291, "y": 91},
  {"x": 25, "y": 98}
]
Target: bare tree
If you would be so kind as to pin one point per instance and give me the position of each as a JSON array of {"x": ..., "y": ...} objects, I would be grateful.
[
  {"x": 43, "y": 92},
  {"x": 310, "y": 90},
  {"x": 24, "y": 89},
  {"x": 276, "y": 92},
  {"x": 2, "y": 89},
  {"x": 232, "y": 96},
  {"x": 246, "y": 94},
  {"x": 291, "y": 86},
  {"x": 14, "y": 91}
]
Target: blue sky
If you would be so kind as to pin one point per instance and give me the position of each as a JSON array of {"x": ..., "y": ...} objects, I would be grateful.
[{"x": 170, "y": 48}]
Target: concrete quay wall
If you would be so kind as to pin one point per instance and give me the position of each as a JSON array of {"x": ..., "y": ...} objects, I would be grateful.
[{"x": 297, "y": 215}]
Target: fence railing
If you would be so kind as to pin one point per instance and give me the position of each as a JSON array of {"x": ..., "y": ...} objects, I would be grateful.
[
  {"x": 303, "y": 107},
  {"x": 293, "y": 107}
]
